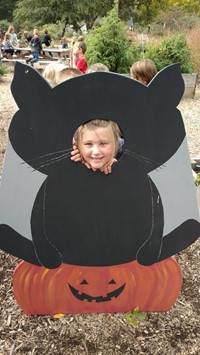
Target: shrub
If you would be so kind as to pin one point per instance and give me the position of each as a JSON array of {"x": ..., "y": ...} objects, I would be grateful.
[
  {"x": 3, "y": 69},
  {"x": 174, "y": 20},
  {"x": 173, "y": 49},
  {"x": 109, "y": 45},
  {"x": 4, "y": 24},
  {"x": 193, "y": 38}
]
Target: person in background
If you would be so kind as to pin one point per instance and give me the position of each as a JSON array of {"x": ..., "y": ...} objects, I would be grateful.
[
  {"x": 27, "y": 38},
  {"x": 1, "y": 34},
  {"x": 36, "y": 48},
  {"x": 65, "y": 74},
  {"x": 143, "y": 71},
  {"x": 64, "y": 42},
  {"x": 55, "y": 73},
  {"x": 81, "y": 61},
  {"x": 46, "y": 40},
  {"x": 97, "y": 67},
  {"x": 13, "y": 36},
  {"x": 1, "y": 49},
  {"x": 8, "y": 47},
  {"x": 50, "y": 71},
  {"x": 81, "y": 39}
]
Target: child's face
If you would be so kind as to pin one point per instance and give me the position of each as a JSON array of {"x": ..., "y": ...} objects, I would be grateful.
[{"x": 96, "y": 147}]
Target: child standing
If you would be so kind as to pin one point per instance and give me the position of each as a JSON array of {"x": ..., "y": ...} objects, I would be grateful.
[
  {"x": 80, "y": 61},
  {"x": 143, "y": 71},
  {"x": 36, "y": 48},
  {"x": 97, "y": 143}
]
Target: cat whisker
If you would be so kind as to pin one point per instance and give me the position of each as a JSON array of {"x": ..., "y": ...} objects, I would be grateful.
[
  {"x": 51, "y": 161},
  {"x": 49, "y": 154},
  {"x": 144, "y": 159}
]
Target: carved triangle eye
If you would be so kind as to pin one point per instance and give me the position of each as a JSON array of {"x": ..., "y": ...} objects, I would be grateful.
[
  {"x": 112, "y": 282},
  {"x": 84, "y": 282}
]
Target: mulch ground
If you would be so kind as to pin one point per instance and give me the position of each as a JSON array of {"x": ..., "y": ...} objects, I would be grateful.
[{"x": 174, "y": 332}]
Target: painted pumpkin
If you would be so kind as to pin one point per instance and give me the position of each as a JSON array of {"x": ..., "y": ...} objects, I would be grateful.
[{"x": 79, "y": 289}]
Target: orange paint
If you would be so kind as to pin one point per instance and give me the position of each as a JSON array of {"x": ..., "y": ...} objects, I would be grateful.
[{"x": 82, "y": 289}]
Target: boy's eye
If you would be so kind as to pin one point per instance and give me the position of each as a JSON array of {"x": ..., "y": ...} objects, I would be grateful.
[
  {"x": 88, "y": 144},
  {"x": 104, "y": 143}
]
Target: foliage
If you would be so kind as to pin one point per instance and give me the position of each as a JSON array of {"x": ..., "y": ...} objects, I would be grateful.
[
  {"x": 109, "y": 45},
  {"x": 187, "y": 5},
  {"x": 132, "y": 317},
  {"x": 174, "y": 20},
  {"x": 193, "y": 38},
  {"x": 6, "y": 10},
  {"x": 197, "y": 179},
  {"x": 144, "y": 11},
  {"x": 4, "y": 24},
  {"x": 31, "y": 13},
  {"x": 3, "y": 69},
  {"x": 172, "y": 49}
]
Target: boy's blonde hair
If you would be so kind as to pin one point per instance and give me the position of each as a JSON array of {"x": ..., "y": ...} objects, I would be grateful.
[
  {"x": 143, "y": 70},
  {"x": 92, "y": 125}
]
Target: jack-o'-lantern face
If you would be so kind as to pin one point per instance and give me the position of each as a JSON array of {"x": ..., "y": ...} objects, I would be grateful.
[
  {"x": 82, "y": 292},
  {"x": 80, "y": 289}
]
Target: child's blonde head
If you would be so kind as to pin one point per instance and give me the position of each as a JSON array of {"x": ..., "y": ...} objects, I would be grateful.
[
  {"x": 143, "y": 70},
  {"x": 36, "y": 32},
  {"x": 26, "y": 34},
  {"x": 64, "y": 39},
  {"x": 11, "y": 29},
  {"x": 66, "y": 73},
  {"x": 113, "y": 131},
  {"x": 50, "y": 71},
  {"x": 7, "y": 36},
  {"x": 97, "y": 67}
]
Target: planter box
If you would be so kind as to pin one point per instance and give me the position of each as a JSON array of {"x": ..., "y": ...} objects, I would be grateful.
[{"x": 190, "y": 81}]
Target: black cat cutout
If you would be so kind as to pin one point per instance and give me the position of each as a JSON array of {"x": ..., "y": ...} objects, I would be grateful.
[{"x": 82, "y": 217}]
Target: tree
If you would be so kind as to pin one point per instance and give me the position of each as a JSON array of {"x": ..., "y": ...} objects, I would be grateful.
[
  {"x": 30, "y": 13},
  {"x": 109, "y": 45},
  {"x": 6, "y": 10},
  {"x": 186, "y": 5}
]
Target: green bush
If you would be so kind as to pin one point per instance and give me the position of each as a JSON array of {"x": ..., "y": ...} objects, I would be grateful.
[
  {"x": 109, "y": 45},
  {"x": 173, "y": 49},
  {"x": 3, "y": 69},
  {"x": 4, "y": 24}
]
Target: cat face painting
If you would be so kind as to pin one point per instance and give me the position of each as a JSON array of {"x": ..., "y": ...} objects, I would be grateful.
[{"x": 55, "y": 212}]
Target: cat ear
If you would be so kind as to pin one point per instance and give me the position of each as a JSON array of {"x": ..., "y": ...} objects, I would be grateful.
[
  {"x": 168, "y": 85},
  {"x": 28, "y": 85}
]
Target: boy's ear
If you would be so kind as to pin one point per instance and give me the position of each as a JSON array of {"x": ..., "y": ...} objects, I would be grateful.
[
  {"x": 28, "y": 85},
  {"x": 168, "y": 85}
]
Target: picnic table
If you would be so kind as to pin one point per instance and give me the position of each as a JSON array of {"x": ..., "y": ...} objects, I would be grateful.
[{"x": 59, "y": 52}]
